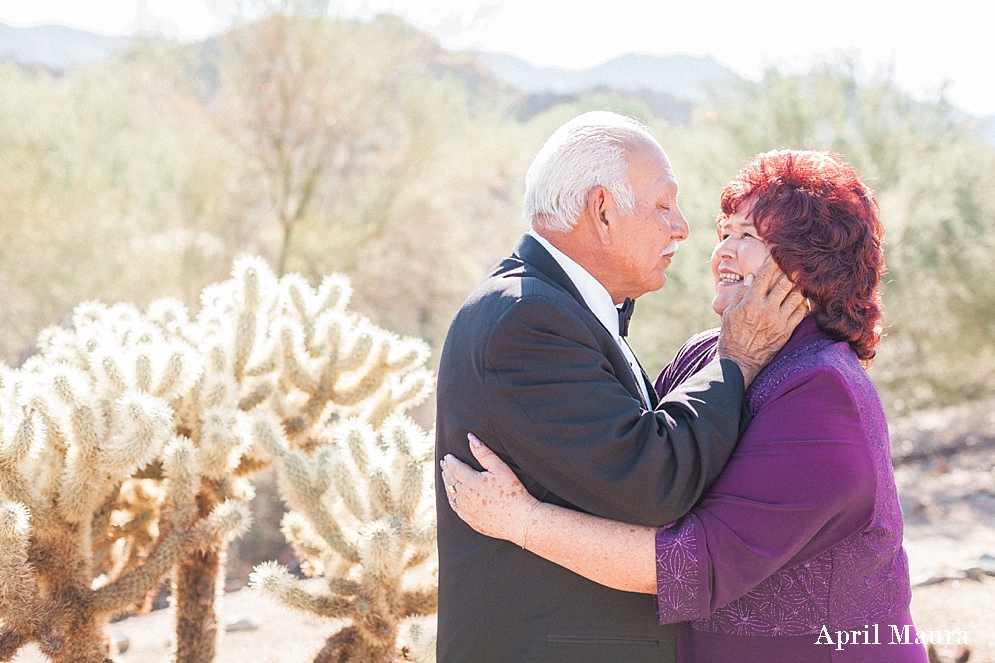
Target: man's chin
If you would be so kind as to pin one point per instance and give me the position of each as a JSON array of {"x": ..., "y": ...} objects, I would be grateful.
[
  {"x": 661, "y": 273},
  {"x": 648, "y": 286},
  {"x": 662, "y": 281}
]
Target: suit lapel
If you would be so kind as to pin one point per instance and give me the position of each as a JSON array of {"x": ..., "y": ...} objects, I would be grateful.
[
  {"x": 533, "y": 253},
  {"x": 650, "y": 387}
]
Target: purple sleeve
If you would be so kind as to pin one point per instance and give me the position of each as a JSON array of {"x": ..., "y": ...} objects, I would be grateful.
[
  {"x": 691, "y": 358},
  {"x": 680, "y": 571},
  {"x": 800, "y": 482}
]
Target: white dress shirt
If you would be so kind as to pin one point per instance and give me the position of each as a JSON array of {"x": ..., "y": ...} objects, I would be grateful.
[{"x": 600, "y": 303}]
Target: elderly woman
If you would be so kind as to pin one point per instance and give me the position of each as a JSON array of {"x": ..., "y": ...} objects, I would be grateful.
[{"x": 795, "y": 554}]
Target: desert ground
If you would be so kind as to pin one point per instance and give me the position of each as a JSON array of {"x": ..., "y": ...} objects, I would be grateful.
[{"x": 946, "y": 481}]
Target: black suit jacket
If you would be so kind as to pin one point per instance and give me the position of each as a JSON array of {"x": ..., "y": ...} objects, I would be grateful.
[{"x": 529, "y": 368}]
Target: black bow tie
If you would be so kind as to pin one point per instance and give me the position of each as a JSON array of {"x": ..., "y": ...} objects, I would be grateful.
[{"x": 624, "y": 314}]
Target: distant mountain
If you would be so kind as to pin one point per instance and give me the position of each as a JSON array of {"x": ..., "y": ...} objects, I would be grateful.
[
  {"x": 670, "y": 85},
  {"x": 680, "y": 76},
  {"x": 986, "y": 127},
  {"x": 982, "y": 125},
  {"x": 56, "y": 46}
]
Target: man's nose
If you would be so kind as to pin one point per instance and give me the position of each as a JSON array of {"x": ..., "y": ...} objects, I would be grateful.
[{"x": 679, "y": 229}]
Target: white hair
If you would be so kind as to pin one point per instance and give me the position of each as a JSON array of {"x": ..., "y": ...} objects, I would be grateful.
[{"x": 588, "y": 151}]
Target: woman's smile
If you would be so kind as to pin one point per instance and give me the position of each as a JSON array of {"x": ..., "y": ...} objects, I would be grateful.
[{"x": 740, "y": 251}]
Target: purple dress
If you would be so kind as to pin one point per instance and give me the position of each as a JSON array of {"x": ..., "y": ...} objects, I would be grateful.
[{"x": 795, "y": 554}]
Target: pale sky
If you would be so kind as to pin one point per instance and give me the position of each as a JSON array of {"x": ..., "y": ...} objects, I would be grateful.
[{"x": 927, "y": 45}]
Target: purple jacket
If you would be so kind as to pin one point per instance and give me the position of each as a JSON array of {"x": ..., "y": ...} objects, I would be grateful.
[{"x": 803, "y": 529}]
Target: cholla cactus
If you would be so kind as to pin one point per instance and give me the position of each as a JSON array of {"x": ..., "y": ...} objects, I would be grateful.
[
  {"x": 212, "y": 415},
  {"x": 79, "y": 538},
  {"x": 360, "y": 516},
  {"x": 281, "y": 350},
  {"x": 356, "y": 478},
  {"x": 126, "y": 443}
]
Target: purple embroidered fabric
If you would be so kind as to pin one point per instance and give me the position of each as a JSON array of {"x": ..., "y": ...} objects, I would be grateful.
[
  {"x": 803, "y": 528},
  {"x": 677, "y": 574}
]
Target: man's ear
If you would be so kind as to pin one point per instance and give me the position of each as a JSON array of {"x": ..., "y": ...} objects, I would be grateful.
[{"x": 601, "y": 210}]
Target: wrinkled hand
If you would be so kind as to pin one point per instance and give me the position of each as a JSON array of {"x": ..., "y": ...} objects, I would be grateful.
[
  {"x": 759, "y": 320},
  {"x": 493, "y": 502}
]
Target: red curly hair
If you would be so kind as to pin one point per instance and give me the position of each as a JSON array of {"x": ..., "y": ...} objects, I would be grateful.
[{"x": 822, "y": 227}]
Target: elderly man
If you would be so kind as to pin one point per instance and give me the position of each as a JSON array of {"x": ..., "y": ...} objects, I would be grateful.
[{"x": 537, "y": 365}]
